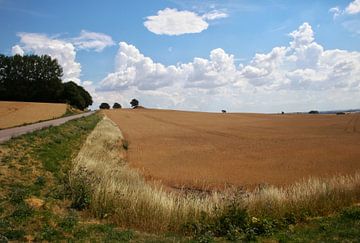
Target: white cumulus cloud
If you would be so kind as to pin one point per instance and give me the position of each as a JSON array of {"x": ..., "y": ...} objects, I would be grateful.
[
  {"x": 301, "y": 75},
  {"x": 174, "y": 22},
  {"x": 63, "y": 51},
  {"x": 17, "y": 50},
  {"x": 353, "y": 7}
]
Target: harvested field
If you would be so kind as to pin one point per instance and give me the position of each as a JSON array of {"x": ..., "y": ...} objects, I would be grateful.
[
  {"x": 18, "y": 113},
  {"x": 192, "y": 149}
]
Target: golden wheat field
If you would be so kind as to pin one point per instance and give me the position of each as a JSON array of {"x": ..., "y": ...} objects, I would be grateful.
[
  {"x": 18, "y": 113},
  {"x": 194, "y": 149}
]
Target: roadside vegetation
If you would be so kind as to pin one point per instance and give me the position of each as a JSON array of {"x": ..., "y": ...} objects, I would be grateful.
[{"x": 72, "y": 183}]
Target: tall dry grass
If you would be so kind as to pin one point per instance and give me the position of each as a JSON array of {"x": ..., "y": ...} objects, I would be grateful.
[{"x": 122, "y": 195}]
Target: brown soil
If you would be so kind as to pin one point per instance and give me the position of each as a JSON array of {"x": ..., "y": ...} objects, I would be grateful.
[
  {"x": 209, "y": 150},
  {"x": 19, "y": 113}
]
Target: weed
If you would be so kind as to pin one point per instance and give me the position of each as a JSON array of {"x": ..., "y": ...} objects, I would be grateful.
[
  {"x": 68, "y": 223},
  {"x": 49, "y": 233},
  {"x": 119, "y": 236},
  {"x": 22, "y": 212},
  {"x": 18, "y": 194},
  {"x": 14, "y": 234},
  {"x": 351, "y": 213},
  {"x": 40, "y": 181},
  {"x": 81, "y": 194}
]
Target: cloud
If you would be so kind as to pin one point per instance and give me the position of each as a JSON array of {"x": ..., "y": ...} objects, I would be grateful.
[
  {"x": 134, "y": 69},
  {"x": 335, "y": 11},
  {"x": 215, "y": 14},
  {"x": 92, "y": 40},
  {"x": 173, "y": 22},
  {"x": 304, "y": 65},
  {"x": 63, "y": 51},
  {"x": 17, "y": 50},
  {"x": 299, "y": 76},
  {"x": 353, "y": 7}
]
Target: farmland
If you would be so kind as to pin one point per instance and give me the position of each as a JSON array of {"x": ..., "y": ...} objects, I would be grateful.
[
  {"x": 18, "y": 113},
  {"x": 208, "y": 150}
]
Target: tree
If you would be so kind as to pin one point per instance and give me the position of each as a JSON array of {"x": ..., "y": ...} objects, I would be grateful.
[
  {"x": 76, "y": 95},
  {"x": 134, "y": 103},
  {"x": 116, "y": 106},
  {"x": 104, "y": 106},
  {"x": 314, "y": 112},
  {"x": 38, "y": 78},
  {"x": 30, "y": 78}
]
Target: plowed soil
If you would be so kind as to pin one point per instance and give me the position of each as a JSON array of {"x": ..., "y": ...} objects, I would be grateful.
[
  {"x": 208, "y": 150},
  {"x": 18, "y": 113}
]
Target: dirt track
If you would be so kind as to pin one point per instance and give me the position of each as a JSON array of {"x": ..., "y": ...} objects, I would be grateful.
[
  {"x": 211, "y": 150},
  {"x": 17, "y": 113}
]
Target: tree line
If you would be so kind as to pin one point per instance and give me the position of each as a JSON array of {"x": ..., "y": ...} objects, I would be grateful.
[{"x": 36, "y": 78}]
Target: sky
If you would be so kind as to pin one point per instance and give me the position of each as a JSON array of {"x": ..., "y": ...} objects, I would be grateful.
[{"x": 239, "y": 55}]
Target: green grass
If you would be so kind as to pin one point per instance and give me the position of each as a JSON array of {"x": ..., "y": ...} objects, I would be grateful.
[{"x": 342, "y": 227}]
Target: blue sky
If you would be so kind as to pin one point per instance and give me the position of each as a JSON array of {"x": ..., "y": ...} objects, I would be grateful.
[{"x": 165, "y": 57}]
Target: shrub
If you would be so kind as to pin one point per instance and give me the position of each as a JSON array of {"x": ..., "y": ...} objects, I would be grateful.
[
  {"x": 314, "y": 112},
  {"x": 104, "y": 106},
  {"x": 117, "y": 106}
]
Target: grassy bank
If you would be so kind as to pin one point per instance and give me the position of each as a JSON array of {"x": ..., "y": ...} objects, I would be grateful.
[
  {"x": 35, "y": 197},
  {"x": 119, "y": 194}
]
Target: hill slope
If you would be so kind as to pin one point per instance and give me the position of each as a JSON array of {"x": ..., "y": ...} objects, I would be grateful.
[
  {"x": 18, "y": 113},
  {"x": 206, "y": 149}
]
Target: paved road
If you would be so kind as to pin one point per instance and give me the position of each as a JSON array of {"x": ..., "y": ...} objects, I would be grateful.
[{"x": 7, "y": 134}]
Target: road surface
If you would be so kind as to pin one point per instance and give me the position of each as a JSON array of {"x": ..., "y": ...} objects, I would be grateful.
[{"x": 9, "y": 133}]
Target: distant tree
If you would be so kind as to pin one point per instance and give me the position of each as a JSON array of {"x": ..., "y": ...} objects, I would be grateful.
[
  {"x": 116, "y": 106},
  {"x": 223, "y": 111},
  {"x": 104, "y": 106},
  {"x": 134, "y": 103},
  {"x": 314, "y": 112},
  {"x": 30, "y": 78},
  {"x": 76, "y": 95}
]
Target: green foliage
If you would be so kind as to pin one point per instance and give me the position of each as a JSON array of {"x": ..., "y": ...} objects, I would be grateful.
[
  {"x": 50, "y": 233},
  {"x": 343, "y": 227},
  {"x": 68, "y": 223},
  {"x": 351, "y": 213},
  {"x": 18, "y": 194},
  {"x": 76, "y": 95},
  {"x": 40, "y": 181},
  {"x": 134, "y": 103},
  {"x": 104, "y": 106},
  {"x": 233, "y": 223},
  {"x": 38, "y": 78},
  {"x": 116, "y": 106},
  {"x": 22, "y": 213},
  {"x": 14, "y": 234},
  {"x": 30, "y": 78},
  {"x": 80, "y": 193}
]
